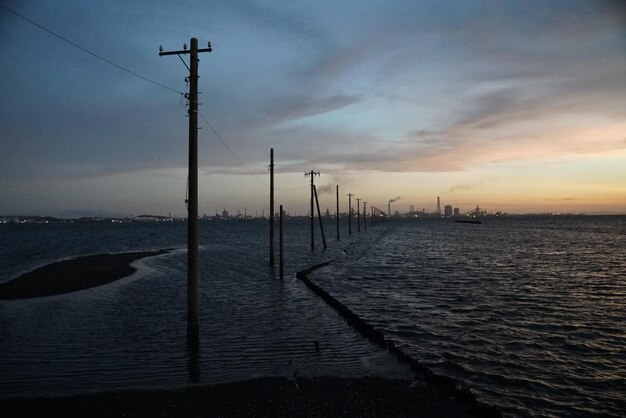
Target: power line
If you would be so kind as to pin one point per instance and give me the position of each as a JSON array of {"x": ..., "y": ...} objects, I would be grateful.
[
  {"x": 64, "y": 39},
  {"x": 229, "y": 149}
]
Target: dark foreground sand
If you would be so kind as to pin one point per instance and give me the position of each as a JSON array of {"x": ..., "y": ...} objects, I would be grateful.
[
  {"x": 71, "y": 275},
  {"x": 263, "y": 397}
]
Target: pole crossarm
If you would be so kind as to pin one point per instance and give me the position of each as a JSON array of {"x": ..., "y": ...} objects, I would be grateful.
[{"x": 184, "y": 51}]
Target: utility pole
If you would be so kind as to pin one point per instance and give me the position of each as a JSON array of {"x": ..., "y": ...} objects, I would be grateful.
[
  {"x": 281, "y": 260},
  {"x": 319, "y": 214},
  {"x": 365, "y": 215},
  {"x": 193, "y": 327},
  {"x": 272, "y": 207},
  {"x": 337, "y": 213},
  {"x": 350, "y": 213},
  {"x": 312, "y": 174},
  {"x": 358, "y": 214}
]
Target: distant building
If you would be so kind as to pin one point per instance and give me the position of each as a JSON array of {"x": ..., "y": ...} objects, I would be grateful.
[
  {"x": 225, "y": 213},
  {"x": 447, "y": 210},
  {"x": 457, "y": 212},
  {"x": 139, "y": 218}
]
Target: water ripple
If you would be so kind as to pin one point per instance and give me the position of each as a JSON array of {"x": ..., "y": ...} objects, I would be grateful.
[{"x": 529, "y": 312}]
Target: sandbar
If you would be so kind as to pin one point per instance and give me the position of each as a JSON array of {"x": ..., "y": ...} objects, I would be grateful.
[{"x": 74, "y": 274}]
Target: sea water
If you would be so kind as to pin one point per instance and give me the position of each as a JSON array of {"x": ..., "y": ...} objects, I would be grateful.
[
  {"x": 527, "y": 311},
  {"x": 530, "y": 312},
  {"x": 133, "y": 332}
]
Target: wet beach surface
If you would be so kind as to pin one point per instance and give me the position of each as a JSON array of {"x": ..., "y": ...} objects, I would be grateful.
[{"x": 263, "y": 397}]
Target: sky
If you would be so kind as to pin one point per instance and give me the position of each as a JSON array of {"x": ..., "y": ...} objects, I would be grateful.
[{"x": 517, "y": 107}]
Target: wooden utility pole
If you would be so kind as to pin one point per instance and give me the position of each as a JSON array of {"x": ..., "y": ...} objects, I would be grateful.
[
  {"x": 193, "y": 328},
  {"x": 319, "y": 215},
  {"x": 281, "y": 261},
  {"x": 312, "y": 174},
  {"x": 350, "y": 213},
  {"x": 272, "y": 207},
  {"x": 365, "y": 215},
  {"x": 337, "y": 213},
  {"x": 358, "y": 214}
]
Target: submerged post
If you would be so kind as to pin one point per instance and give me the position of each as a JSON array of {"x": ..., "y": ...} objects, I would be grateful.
[
  {"x": 365, "y": 215},
  {"x": 350, "y": 213},
  {"x": 271, "y": 207},
  {"x": 312, "y": 174},
  {"x": 193, "y": 328},
  {"x": 358, "y": 214},
  {"x": 319, "y": 215},
  {"x": 280, "y": 245},
  {"x": 337, "y": 213}
]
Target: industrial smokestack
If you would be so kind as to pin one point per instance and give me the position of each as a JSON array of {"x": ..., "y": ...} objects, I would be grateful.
[{"x": 389, "y": 205}]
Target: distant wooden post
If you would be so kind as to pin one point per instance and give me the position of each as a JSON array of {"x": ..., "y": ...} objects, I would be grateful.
[
  {"x": 350, "y": 213},
  {"x": 271, "y": 207},
  {"x": 312, "y": 174},
  {"x": 280, "y": 245},
  {"x": 319, "y": 215},
  {"x": 365, "y": 215},
  {"x": 337, "y": 213},
  {"x": 358, "y": 214}
]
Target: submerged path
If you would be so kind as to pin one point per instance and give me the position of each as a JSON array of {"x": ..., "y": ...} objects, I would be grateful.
[
  {"x": 452, "y": 389},
  {"x": 72, "y": 275}
]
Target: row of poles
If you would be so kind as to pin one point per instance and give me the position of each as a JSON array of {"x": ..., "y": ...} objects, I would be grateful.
[
  {"x": 193, "y": 329},
  {"x": 314, "y": 205}
]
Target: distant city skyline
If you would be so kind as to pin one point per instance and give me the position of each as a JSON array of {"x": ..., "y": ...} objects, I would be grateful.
[{"x": 516, "y": 107}]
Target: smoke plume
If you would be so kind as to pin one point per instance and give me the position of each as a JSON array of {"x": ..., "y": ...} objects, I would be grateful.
[{"x": 325, "y": 189}]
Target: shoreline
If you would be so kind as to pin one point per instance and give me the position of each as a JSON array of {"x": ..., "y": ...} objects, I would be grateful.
[
  {"x": 266, "y": 396},
  {"x": 75, "y": 274}
]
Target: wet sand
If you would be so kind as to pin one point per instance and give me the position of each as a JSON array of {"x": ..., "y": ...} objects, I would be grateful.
[
  {"x": 72, "y": 275},
  {"x": 263, "y": 397}
]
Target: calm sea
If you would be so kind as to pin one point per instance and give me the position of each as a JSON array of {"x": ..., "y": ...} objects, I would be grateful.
[{"x": 529, "y": 312}]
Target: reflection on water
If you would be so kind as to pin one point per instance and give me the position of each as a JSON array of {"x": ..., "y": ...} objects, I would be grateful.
[{"x": 193, "y": 361}]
